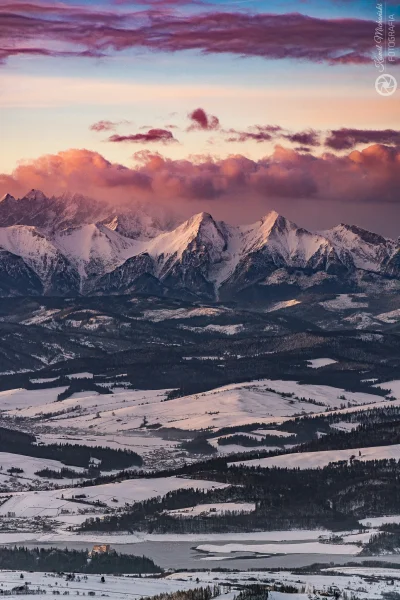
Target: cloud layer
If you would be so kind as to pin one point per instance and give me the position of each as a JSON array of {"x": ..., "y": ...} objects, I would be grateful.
[
  {"x": 58, "y": 29},
  {"x": 369, "y": 176}
]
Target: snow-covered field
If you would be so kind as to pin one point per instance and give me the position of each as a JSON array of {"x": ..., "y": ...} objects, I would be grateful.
[
  {"x": 352, "y": 582},
  {"x": 317, "y": 363},
  {"x": 125, "y": 410},
  {"x": 52, "y": 503},
  {"x": 346, "y": 302},
  {"x": 29, "y": 466},
  {"x": 117, "y": 421},
  {"x": 114, "y": 587},
  {"x": 356, "y": 583},
  {"x": 225, "y": 406},
  {"x": 315, "y": 460}
]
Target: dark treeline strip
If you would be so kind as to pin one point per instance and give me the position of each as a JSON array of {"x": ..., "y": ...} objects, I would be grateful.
[
  {"x": 251, "y": 442},
  {"x": 66, "y": 473},
  {"x": 70, "y": 454},
  {"x": 364, "y": 436},
  {"x": 334, "y": 497},
  {"x": 83, "y": 384},
  {"x": 306, "y": 428},
  {"x": 200, "y": 593},
  {"x": 57, "y": 560},
  {"x": 14, "y": 436}
]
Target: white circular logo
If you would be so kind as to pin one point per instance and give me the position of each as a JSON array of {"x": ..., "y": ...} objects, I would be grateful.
[{"x": 386, "y": 84}]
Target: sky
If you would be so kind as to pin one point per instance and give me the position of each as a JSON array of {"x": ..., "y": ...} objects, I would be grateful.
[{"x": 236, "y": 108}]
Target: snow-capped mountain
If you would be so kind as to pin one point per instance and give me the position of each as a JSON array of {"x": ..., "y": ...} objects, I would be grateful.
[
  {"x": 72, "y": 245},
  {"x": 359, "y": 248}
]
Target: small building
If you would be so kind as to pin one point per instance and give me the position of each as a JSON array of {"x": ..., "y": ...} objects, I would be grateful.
[{"x": 100, "y": 549}]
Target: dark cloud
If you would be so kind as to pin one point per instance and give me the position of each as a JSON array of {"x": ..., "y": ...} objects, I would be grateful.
[
  {"x": 346, "y": 139},
  {"x": 202, "y": 121},
  {"x": 91, "y": 31},
  {"x": 308, "y": 138},
  {"x": 257, "y": 133},
  {"x": 153, "y": 135},
  {"x": 337, "y": 139}
]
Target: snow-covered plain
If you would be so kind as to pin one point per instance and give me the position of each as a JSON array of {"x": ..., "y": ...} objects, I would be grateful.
[{"x": 352, "y": 581}]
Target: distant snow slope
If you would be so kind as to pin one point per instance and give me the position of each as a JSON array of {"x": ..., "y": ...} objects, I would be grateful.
[
  {"x": 315, "y": 460},
  {"x": 233, "y": 404}
]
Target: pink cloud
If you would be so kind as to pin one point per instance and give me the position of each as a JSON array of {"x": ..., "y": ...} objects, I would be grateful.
[{"x": 103, "y": 126}]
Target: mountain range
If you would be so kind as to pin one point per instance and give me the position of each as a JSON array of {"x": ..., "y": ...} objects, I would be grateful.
[{"x": 71, "y": 245}]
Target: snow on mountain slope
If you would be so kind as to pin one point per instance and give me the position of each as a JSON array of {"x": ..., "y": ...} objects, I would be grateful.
[
  {"x": 358, "y": 247},
  {"x": 286, "y": 242},
  {"x": 40, "y": 254},
  {"x": 256, "y": 251},
  {"x": 30, "y": 245},
  {"x": 95, "y": 249}
]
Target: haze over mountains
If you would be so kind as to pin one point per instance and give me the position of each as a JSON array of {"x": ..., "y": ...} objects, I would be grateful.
[{"x": 72, "y": 245}]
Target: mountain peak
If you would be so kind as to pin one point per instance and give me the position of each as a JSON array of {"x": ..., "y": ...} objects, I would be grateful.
[
  {"x": 274, "y": 222},
  {"x": 199, "y": 218},
  {"x": 7, "y": 198},
  {"x": 366, "y": 236},
  {"x": 35, "y": 195}
]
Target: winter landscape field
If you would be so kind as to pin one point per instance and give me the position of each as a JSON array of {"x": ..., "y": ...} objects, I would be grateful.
[{"x": 167, "y": 442}]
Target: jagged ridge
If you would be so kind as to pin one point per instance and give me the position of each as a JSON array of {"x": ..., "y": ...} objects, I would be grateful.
[{"x": 72, "y": 245}]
